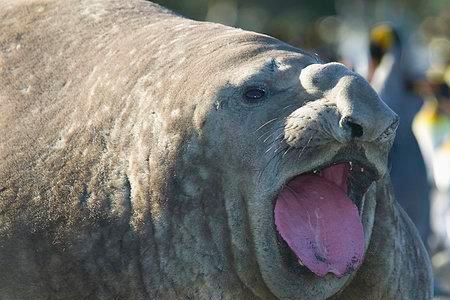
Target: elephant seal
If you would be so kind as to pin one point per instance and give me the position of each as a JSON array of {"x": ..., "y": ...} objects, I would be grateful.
[{"x": 148, "y": 156}]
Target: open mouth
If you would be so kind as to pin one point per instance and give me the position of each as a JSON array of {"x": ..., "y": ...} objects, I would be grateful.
[{"x": 318, "y": 218}]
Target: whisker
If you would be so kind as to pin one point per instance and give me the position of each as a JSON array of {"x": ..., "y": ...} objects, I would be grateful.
[
  {"x": 277, "y": 128},
  {"x": 265, "y": 167},
  {"x": 303, "y": 149},
  {"x": 274, "y": 143},
  {"x": 265, "y": 140},
  {"x": 280, "y": 162},
  {"x": 265, "y": 134},
  {"x": 274, "y": 132},
  {"x": 269, "y": 161},
  {"x": 271, "y": 132},
  {"x": 287, "y": 150},
  {"x": 278, "y": 146},
  {"x": 287, "y": 106},
  {"x": 278, "y": 138},
  {"x": 265, "y": 124},
  {"x": 270, "y": 147}
]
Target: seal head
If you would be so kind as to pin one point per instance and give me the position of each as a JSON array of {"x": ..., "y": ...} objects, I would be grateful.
[{"x": 301, "y": 144}]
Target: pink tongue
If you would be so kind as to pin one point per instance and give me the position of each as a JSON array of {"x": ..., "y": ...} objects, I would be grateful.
[{"x": 320, "y": 223}]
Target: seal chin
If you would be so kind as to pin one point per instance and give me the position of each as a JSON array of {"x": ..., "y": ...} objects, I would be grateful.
[{"x": 318, "y": 218}]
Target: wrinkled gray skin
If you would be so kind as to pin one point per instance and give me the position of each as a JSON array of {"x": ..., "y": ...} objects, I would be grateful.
[{"x": 131, "y": 166}]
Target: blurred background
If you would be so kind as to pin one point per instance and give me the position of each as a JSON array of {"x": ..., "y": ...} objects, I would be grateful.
[
  {"x": 330, "y": 27},
  {"x": 402, "y": 47}
]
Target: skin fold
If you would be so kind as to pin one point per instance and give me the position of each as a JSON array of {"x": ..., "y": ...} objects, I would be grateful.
[{"x": 132, "y": 166}]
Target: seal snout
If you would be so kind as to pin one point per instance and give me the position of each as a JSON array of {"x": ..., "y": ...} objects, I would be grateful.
[{"x": 352, "y": 110}]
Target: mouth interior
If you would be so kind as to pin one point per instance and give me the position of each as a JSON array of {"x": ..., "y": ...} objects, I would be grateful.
[{"x": 319, "y": 222}]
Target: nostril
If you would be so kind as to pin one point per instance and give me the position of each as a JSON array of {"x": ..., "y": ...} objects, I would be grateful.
[{"x": 356, "y": 129}]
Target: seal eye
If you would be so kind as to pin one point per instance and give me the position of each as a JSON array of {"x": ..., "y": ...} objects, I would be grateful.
[{"x": 254, "y": 94}]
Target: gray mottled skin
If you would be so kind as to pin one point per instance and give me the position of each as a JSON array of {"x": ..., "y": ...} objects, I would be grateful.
[{"x": 131, "y": 167}]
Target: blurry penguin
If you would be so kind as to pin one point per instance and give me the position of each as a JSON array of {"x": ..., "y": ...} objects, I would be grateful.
[
  {"x": 389, "y": 75},
  {"x": 432, "y": 129}
]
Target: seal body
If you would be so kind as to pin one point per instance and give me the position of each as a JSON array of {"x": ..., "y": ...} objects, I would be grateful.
[{"x": 141, "y": 154}]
